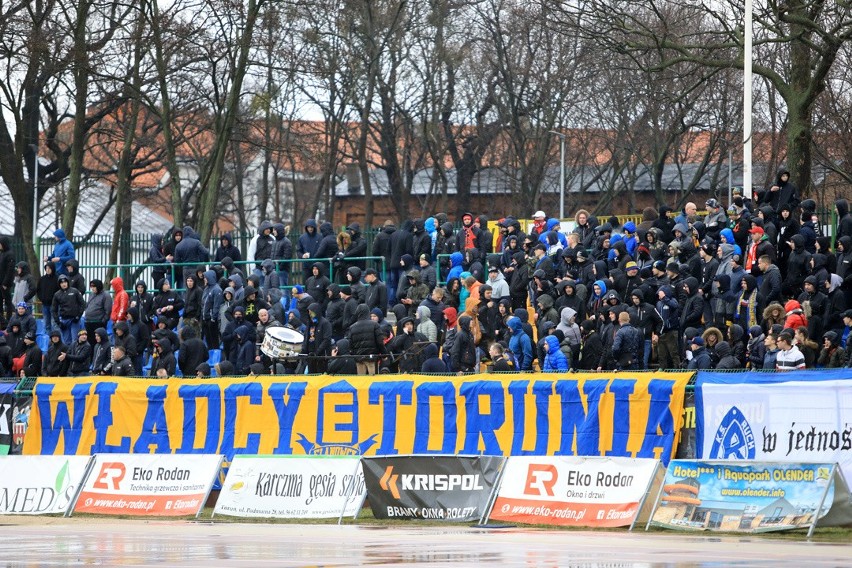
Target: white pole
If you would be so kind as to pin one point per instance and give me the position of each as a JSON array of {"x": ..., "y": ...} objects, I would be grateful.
[
  {"x": 747, "y": 100},
  {"x": 561, "y": 177}
]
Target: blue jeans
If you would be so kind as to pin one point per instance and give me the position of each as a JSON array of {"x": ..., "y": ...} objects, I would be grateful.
[
  {"x": 394, "y": 275},
  {"x": 69, "y": 332},
  {"x": 647, "y": 354},
  {"x": 47, "y": 317}
]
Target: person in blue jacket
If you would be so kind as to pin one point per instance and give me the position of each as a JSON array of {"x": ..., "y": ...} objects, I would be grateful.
[
  {"x": 456, "y": 268},
  {"x": 520, "y": 344},
  {"x": 63, "y": 251},
  {"x": 555, "y": 359}
]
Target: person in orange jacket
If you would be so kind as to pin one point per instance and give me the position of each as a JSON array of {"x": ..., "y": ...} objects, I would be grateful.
[{"x": 120, "y": 302}]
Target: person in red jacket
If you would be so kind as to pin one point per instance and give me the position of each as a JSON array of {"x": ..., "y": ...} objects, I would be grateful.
[
  {"x": 795, "y": 315},
  {"x": 121, "y": 301}
]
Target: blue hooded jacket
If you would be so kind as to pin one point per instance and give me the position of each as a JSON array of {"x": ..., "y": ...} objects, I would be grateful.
[
  {"x": 520, "y": 344},
  {"x": 729, "y": 236},
  {"x": 456, "y": 269},
  {"x": 555, "y": 359},
  {"x": 63, "y": 250},
  {"x": 602, "y": 284},
  {"x": 553, "y": 225}
]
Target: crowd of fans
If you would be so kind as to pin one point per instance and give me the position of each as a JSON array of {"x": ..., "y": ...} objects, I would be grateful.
[{"x": 753, "y": 286}]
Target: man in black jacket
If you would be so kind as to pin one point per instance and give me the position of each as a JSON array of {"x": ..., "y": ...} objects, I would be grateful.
[
  {"x": 375, "y": 291},
  {"x": 7, "y": 276},
  {"x": 192, "y": 353},
  {"x": 32, "y": 356},
  {"x": 366, "y": 341},
  {"x": 318, "y": 341},
  {"x": 79, "y": 356}
]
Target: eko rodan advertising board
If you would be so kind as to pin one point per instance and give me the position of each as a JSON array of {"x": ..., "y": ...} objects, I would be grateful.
[
  {"x": 573, "y": 491},
  {"x": 148, "y": 484}
]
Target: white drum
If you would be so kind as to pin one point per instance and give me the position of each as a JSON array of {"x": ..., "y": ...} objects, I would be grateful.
[{"x": 281, "y": 343}]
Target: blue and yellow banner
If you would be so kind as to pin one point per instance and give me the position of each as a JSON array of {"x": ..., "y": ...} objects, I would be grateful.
[{"x": 622, "y": 414}]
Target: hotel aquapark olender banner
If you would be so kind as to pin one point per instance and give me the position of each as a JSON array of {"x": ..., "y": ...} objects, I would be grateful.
[{"x": 623, "y": 414}]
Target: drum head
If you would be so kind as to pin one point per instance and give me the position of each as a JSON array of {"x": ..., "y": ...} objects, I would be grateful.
[{"x": 281, "y": 342}]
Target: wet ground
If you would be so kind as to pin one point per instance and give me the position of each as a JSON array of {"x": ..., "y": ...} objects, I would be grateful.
[{"x": 104, "y": 542}]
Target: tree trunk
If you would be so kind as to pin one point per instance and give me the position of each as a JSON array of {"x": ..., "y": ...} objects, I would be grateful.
[
  {"x": 166, "y": 118},
  {"x": 78, "y": 137},
  {"x": 211, "y": 184}
]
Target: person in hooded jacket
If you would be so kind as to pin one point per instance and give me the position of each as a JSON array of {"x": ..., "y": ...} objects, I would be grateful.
[
  {"x": 166, "y": 305},
  {"x": 327, "y": 247},
  {"x": 164, "y": 358},
  {"x": 282, "y": 251},
  {"x": 318, "y": 341},
  {"x": 124, "y": 338},
  {"x": 269, "y": 276},
  {"x": 342, "y": 362},
  {"x": 141, "y": 333},
  {"x": 520, "y": 344},
  {"x": 157, "y": 258},
  {"x": 226, "y": 248},
  {"x": 832, "y": 355},
  {"x": 53, "y": 365},
  {"x": 782, "y": 193},
  {"x": 375, "y": 291},
  {"x": 725, "y": 355},
  {"x": 7, "y": 276},
  {"x": 317, "y": 284},
  {"x": 192, "y": 351},
  {"x": 262, "y": 244},
  {"x": 554, "y": 360},
  {"x": 190, "y": 251},
  {"x": 68, "y": 306},
  {"x": 101, "y": 351},
  {"x": 306, "y": 246},
  {"x": 756, "y": 348},
  {"x": 844, "y": 219},
  {"x": 211, "y": 312},
  {"x": 798, "y": 264},
  {"x": 835, "y": 305},
  {"x": 463, "y": 354},
  {"x": 366, "y": 341},
  {"x": 456, "y": 265},
  {"x": 72, "y": 270},
  {"x": 63, "y": 251},
  {"x": 24, "y": 287},
  {"x": 334, "y": 312},
  {"x": 120, "y": 300},
  {"x": 432, "y": 363},
  {"x": 32, "y": 357},
  {"x": 46, "y": 288},
  {"x": 401, "y": 243}
]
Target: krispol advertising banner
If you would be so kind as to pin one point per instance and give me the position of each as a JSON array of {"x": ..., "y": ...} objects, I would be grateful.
[
  {"x": 748, "y": 496},
  {"x": 7, "y": 406},
  {"x": 795, "y": 417},
  {"x": 573, "y": 491},
  {"x": 623, "y": 414},
  {"x": 292, "y": 487},
  {"x": 148, "y": 485},
  {"x": 438, "y": 488},
  {"x": 40, "y": 485}
]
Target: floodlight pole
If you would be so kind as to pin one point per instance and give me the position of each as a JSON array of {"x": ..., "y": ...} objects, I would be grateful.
[
  {"x": 561, "y": 173},
  {"x": 747, "y": 99}
]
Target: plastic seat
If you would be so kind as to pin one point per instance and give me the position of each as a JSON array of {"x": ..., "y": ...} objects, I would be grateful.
[
  {"x": 43, "y": 342},
  {"x": 215, "y": 356}
]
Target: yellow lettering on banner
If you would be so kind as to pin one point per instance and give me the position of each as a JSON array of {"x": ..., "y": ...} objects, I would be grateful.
[{"x": 623, "y": 414}]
